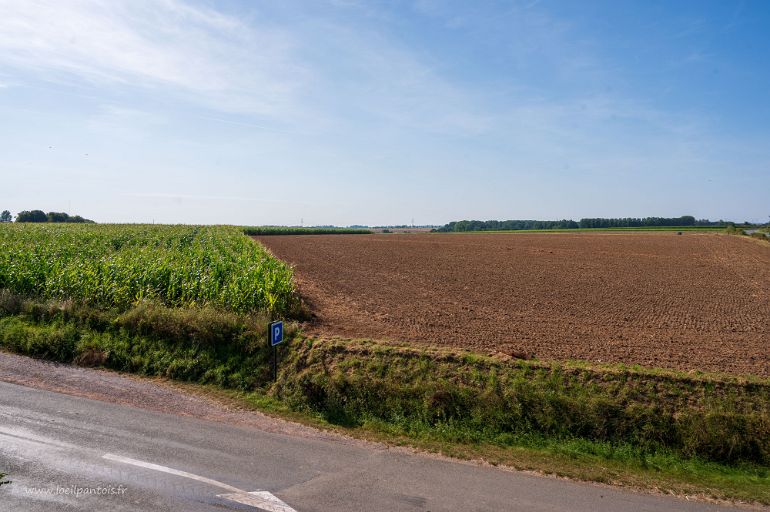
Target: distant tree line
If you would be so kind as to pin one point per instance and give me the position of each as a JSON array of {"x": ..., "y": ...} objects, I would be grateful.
[
  {"x": 505, "y": 225},
  {"x": 41, "y": 216},
  {"x": 626, "y": 222},
  {"x": 630, "y": 222}
]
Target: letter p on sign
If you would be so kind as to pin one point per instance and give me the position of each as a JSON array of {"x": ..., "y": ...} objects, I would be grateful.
[{"x": 276, "y": 333}]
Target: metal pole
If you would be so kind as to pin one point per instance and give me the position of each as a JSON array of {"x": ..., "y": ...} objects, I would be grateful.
[{"x": 275, "y": 363}]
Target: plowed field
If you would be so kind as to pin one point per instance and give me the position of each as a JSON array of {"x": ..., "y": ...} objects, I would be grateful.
[{"x": 690, "y": 302}]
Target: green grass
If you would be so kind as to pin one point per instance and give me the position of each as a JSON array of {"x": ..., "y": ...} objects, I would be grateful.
[
  {"x": 284, "y": 230},
  {"x": 118, "y": 265}
]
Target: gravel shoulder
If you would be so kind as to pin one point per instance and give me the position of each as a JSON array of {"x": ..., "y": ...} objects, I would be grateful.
[{"x": 142, "y": 392}]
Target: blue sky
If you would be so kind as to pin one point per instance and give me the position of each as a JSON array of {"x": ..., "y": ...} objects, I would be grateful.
[{"x": 351, "y": 112}]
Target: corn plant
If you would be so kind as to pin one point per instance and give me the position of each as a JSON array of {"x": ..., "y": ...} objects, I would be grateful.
[{"x": 114, "y": 266}]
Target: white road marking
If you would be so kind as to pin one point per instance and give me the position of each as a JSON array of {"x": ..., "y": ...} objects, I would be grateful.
[
  {"x": 171, "y": 471},
  {"x": 259, "y": 499}
]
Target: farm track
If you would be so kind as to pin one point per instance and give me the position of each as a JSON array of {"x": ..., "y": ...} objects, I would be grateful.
[{"x": 691, "y": 302}]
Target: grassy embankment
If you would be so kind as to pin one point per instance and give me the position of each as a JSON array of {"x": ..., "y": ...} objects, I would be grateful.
[
  {"x": 762, "y": 233},
  {"x": 126, "y": 298}
]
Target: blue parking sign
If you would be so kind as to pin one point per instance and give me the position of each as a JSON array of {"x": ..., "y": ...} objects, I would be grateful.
[{"x": 276, "y": 333}]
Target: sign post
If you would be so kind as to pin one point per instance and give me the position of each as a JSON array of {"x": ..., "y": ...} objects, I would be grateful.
[{"x": 274, "y": 337}]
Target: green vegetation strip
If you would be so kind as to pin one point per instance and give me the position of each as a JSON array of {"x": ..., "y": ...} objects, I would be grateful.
[
  {"x": 283, "y": 230},
  {"x": 693, "y": 433},
  {"x": 474, "y": 398}
]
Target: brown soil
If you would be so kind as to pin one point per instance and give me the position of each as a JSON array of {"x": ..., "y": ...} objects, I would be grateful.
[{"x": 690, "y": 302}]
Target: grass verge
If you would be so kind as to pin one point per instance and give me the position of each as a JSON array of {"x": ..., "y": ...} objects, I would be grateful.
[{"x": 689, "y": 433}]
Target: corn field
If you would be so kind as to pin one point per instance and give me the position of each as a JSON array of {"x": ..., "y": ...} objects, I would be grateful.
[{"x": 115, "y": 266}]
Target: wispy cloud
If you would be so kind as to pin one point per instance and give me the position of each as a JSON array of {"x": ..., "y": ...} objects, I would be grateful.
[
  {"x": 315, "y": 74},
  {"x": 153, "y": 44}
]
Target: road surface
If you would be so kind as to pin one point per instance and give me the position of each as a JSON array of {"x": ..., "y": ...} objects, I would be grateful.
[{"x": 67, "y": 452}]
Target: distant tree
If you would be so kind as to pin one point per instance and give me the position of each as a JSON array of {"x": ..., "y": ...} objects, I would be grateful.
[
  {"x": 57, "y": 217},
  {"x": 78, "y": 218},
  {"x": 32, "y": 216},
  {"x": 6, "y": 216},
  {"x": 40, "y": 216}
]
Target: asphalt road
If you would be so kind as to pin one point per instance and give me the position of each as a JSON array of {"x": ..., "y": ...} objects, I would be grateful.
[{"x": 51, "y": 444}]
